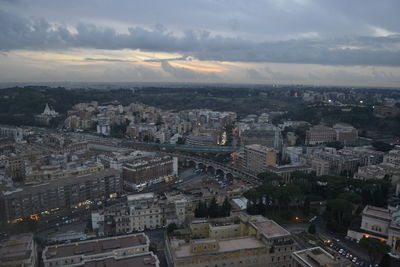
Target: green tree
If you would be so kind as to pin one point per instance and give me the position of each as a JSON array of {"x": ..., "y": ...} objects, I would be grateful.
[
  {"x": 201, "y": 210},
  {"x": 376, "y": 248},
  {"x": 225, "y": 208},
  {"x": 385, "y": 261},
  {"x": 312, "y": 229},
  {"x": 338, "y": 214},
  {"x": 351, "y": 197},
  {"x": 382, "y": 146},
  {"x": 213, "y": 209},
  {"x": 306, "y": 206},
  {"x": 171, "y": 228}
]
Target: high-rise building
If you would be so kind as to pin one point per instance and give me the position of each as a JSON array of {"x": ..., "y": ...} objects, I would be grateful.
[{"x": 257, "y": 158}]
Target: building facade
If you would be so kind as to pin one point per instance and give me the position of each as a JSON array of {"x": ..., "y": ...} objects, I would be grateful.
[
  {"x": 68, "y": 192},
  {"x": 254, "y": 241},
  {"x": 127, "y": 249}
]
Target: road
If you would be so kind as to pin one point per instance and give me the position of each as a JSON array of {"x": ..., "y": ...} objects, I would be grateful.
[
  {"x": 187, "y": 176},
  {"x": 338, "y": 239}
]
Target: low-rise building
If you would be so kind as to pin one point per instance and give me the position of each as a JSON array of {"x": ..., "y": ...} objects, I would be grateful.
[
  {"x": 113, "y": 250},
  {"x": 254, "y": 241},
  {"x": 380, "y": 223},
  {"x": 317, "y": 257},
  {"x": 392, "y": 157},
  {"x": 320, "y": 134},
  {"x": 18, "y": 251}
]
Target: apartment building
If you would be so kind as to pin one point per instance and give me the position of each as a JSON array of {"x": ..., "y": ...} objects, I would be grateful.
[
  {"x": 68, "y": 192},
  {"x": 149, "y": 170},
  {"x": 257, "y": 158}
]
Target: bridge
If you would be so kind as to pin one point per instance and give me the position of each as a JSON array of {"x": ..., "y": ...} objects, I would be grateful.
[
  {"x": 216, "y": 168},
  {"x": 175, "y": 147}
]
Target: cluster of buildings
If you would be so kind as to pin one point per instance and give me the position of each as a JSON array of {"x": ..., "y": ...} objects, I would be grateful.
[
  {"x": 200, "y": 127},
  {"x": 242, "y": 241},
  {"x": 127, "y": 250},
  {"x": 46, "y": 172},
  {"x": 142, "y": 211},
  {"x": 380, "y": 223},
  {"x": 341, "y": 132}
]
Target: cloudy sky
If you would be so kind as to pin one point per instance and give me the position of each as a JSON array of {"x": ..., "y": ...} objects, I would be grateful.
[{"x": 320, "y": 42}]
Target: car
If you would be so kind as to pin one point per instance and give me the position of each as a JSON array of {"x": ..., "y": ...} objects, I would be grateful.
[
  {"x": 354, "y": 259},
  {"x": 394, "y": 255}
]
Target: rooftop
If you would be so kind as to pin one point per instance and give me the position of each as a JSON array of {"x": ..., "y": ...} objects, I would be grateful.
[
  {"x": 316, "y": 257},
  {"x": 144, "y": 260},
  {"x": 377, "y": 212},
  {"x": 16, "y": 248},
  {"x": 269, "y": 228},
  {"x": 225, "y": 245},
  {"x": 60, "y": 182},
  {"x": 97, "y": 246}
]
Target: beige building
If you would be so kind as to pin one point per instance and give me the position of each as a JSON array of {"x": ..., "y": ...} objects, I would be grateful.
[
  {"x": 254, "y": 241},
  {"x": 318, "y": 257},
  {"x": 18, "y": 251},
  {"x": 257, "y": 158},
  {"x": 345, "y": 133},
  {"x": 149, "y": 170},
  {"x": 320, "y": 134},
  {"x": 122, "y": 249},
  {"x": 380, "y": 223}
]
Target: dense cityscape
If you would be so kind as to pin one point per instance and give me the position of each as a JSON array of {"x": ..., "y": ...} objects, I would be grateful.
[
  {"x": 111, "y": 183},
  {"x": 218, "y": 133}
]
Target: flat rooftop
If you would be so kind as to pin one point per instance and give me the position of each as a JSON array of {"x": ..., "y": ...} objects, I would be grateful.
[
  {"x": 377, "y": 212},
  {"x": 225, "y": 245},
  {"x": 59, "y": 182},
  {"x": 140, "y": 196},
  {"x": 96, "y": 246},
  {"x": 16, "y": 247},
  {"x": 145, "y": 260},
  {"x": 316, "y": 257},
  {"x": 270, "y": 228}
]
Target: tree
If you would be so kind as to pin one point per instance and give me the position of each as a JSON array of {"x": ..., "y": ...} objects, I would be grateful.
[
  {"x": 171, "y": 228},
  {"x": 385, "y": 261},
  {"x": 311, "y": 229},
  {"x": 338, "y": 214},
  {"x": 382, "y": 146},
  {"x": 306, "y": 207},
  {"x": 201, "y": 210},
  {"x": 213, "y": 209},
  {"x": 376, "y": 248},
  {"x": 226, "y": 208},
  {"x": 351, "y": 197}
]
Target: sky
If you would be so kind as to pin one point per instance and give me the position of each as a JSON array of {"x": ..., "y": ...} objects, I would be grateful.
[{"x": 317, "y": 42}]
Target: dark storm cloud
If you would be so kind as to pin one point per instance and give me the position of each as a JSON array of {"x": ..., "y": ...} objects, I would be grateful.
[
  {"x": 168, "y": 59},
  {"x": 20, "y": 33},
  {"x": 186, "y": 74},
  {"x": 89, "y": 59}
]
